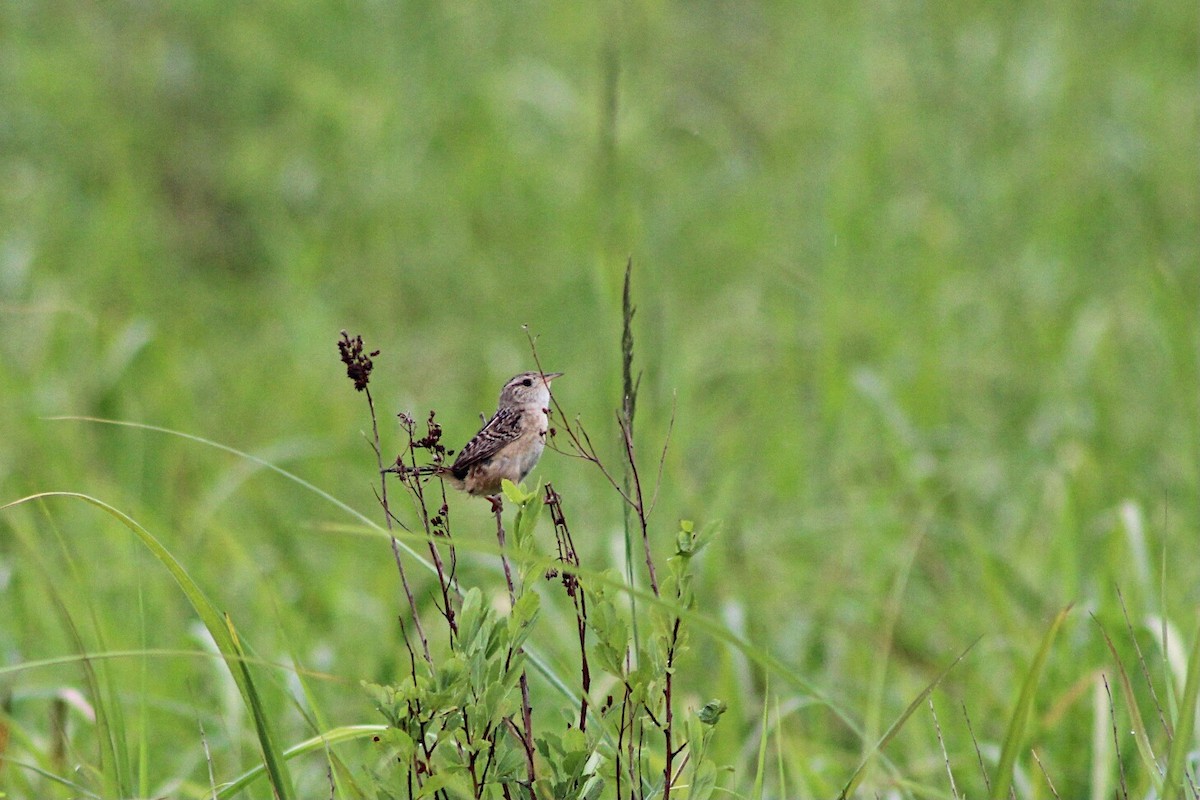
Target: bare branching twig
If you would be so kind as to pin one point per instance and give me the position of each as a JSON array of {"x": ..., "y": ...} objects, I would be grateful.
[{"x": 358, "y": 368}]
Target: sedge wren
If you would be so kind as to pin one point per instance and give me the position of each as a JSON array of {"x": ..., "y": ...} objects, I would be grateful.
[{"x": 510, "y": 443}]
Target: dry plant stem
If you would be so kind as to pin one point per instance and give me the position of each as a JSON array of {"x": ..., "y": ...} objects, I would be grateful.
[
  {"x": 1045, "y": 774},
  {"x": 387, "y": 515},
  {"x": 942, "y": 743},
  {"x": 1112, "y": 715},
  {"x": 662, "y": 460},
  {"x": 987, "y": 784},
  {"x": 414, "y": 711},
  {"x": 570, "y": 581},
  {"x": 629, "y": 390},
  {"x": 669, "y": 713},
  {"x": 580, "y": 442},
  {"x": 641, "y": 746},
  {"x": 629, "y": 386},
  {"x": 212, "y": 778},
  {"x": 445, "y": 578},
  {"x": 634, "y": 766},
  {"x": 1162, "y": 718},
  {"x": 631, "y": 491},
  {"x": 682, "y": 763},
  {"x": 526, "y": 709},
  {"x": 639, "y": 505},
  {"x": 489, "y": 735},
  {"x": 621, "y": 728},
  {"x": 417, "y": 489}
]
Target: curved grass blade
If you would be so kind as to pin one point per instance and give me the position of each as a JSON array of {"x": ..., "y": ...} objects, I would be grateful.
[
  {"x": 108, "y": 731},
  {"x": 535, "y": 659},
  {"x": 894, "y": 728},
  {"x": 81, "y": 791},
  {"x": 43, "y": 663},
  {"x": 761, "y": 765},
  {"x": 1185, "y": 722},
  {"x": 345, "y": 733},
  {"x": 218, "y": 627},
  {"x": 1014, "y": 740},
  {"x": 1140, "y": 735}
]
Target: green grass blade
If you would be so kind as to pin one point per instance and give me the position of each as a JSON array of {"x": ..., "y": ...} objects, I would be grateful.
[
  {"x": 345, "y": 783},
  {"x": 81, "y": 791},
  {"x": 1014, "y": 739},
  {"x": 760, "y": 768},
  {"x": 217, "y": 627},
  {"x": 535, "y": 659},
  {"x": 895, "y": 727},
  {"x": 143, "y": 693},
  {"x": 345, "y": 733},
  {"x": 1140, "y": 735},
  {"x": 779, "y": 760},
  {"x": 1185, "y": 721},
  {"x": 272, "y": 758},
  {"x": 108, "y": 767},
  {"x": 532, "y": 655},
  {"x": 109, "y": 655}
]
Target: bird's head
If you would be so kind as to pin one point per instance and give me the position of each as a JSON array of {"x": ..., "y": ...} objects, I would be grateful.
[{"x": 528, "y": 389}]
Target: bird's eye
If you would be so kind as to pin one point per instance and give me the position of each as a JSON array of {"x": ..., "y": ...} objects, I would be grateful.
[{"x": 527, "y": 382}]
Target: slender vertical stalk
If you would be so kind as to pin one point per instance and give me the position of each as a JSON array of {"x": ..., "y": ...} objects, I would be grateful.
[
  {"x": 358, "y": 368},
  {"x": 526, "y": 708},
  {"x": 570, "y": 580},
  {"x": 628, "y": 408}
]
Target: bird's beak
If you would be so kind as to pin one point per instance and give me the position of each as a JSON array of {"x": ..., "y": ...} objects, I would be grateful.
[{"x": 549, "y": 376}]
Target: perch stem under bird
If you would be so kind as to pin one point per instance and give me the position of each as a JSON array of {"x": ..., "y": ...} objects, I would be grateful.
[{"x": 509, "y": 444}]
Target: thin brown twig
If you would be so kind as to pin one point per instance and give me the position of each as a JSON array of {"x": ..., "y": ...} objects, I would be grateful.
[
  {"x": 639, "y": 505},
  {"x": 1045, "y": 774},
  {"x": 577, "y": 435},
  {"x": 526, "y": 708},
  {"x": 978, "y": 753},
  {"x": 388, "y": 518},
  {"x": 669, "y": 713},
  {"x": 1162, "y": 717},
  {"x": 1112, "y": 714},
  {"x": 942, "y": 743},
  {"x": 417, "y": 489},
  {"x": 662, "y": 458},
  {"x": 570, "y": 581}
]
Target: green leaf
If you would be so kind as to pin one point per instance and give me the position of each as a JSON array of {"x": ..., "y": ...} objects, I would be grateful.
[
  {"x": 685, "y": 539},
  {"x": 453, "y": 779},
  {"x": 711, "y": 712},
  {"x": 515, "y": 494},
  {"x": 527, "y": 518},
  {"x": 704, "y": 781},
  {"x": 520, "y": 621},
  {"x": 470, "y": 616}
]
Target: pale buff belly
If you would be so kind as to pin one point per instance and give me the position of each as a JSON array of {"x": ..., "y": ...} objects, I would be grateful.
[{"x": 486, "y": 477}]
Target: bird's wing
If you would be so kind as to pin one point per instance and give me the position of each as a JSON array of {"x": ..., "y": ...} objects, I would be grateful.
[{"x": 501, "y": 429}]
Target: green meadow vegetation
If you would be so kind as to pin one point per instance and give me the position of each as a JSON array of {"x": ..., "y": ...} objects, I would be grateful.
[{"x": 917, "y": 415}]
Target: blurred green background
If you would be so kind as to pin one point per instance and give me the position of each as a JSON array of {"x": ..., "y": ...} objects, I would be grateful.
[{"x": 920, "y": 281}]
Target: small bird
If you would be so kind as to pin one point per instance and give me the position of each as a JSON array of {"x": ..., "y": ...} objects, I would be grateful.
[{"x": 510, "y": 443}]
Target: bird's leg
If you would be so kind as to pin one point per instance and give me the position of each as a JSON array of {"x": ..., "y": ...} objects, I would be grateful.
[{"x": 497, "y": 503}]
